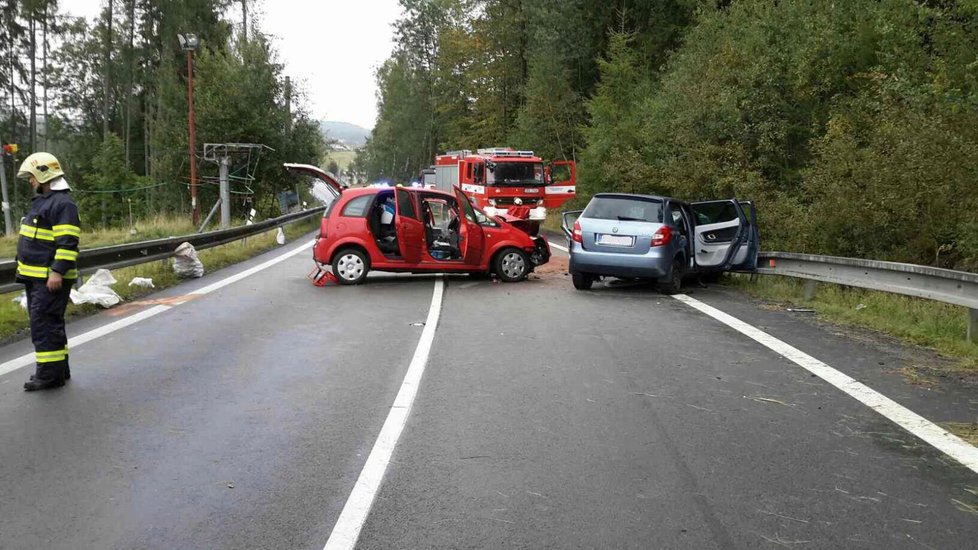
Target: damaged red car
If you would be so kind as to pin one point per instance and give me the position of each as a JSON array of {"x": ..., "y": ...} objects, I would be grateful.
[{"x": 406, "y": 229}]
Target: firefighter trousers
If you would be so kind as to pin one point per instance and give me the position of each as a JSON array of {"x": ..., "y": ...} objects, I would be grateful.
[{"x": 47, "y": 313}]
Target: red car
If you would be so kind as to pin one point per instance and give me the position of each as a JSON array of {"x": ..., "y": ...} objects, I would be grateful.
[{"x": 405, "y": 229}]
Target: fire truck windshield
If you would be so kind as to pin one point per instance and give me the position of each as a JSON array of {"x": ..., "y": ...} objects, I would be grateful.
[{"x": 515, "y": 173}]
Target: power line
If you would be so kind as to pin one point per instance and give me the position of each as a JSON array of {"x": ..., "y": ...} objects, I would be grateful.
[{"x": 94, "y": 191}]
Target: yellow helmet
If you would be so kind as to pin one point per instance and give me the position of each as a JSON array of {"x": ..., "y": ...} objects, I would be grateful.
[{"x": 43, "y": 166}]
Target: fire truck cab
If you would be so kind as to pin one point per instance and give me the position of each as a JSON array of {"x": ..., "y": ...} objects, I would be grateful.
[{"x": 504, "y": 181}]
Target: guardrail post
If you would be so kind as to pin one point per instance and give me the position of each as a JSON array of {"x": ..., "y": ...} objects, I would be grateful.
[
  {"x": 809, "y": 290},
  {"x": 972, "y": 324}
]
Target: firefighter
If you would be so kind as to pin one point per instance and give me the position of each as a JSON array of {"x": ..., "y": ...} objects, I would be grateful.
[{"x": 46, "y": 256}]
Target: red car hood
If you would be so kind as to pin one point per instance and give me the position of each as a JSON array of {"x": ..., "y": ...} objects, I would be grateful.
[{"x": 522, "y": 224}]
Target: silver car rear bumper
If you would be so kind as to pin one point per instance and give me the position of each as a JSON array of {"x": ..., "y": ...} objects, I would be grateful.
[{"x": 654, "y": 264}]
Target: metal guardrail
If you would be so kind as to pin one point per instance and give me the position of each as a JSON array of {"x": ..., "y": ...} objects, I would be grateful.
[
  {"x": 124, "y": 255},
  {"x": 944, "y": 285}
]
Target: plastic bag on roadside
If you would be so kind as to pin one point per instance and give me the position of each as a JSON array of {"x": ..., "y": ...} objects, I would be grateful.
[
  {"x": 96, "y": 290},
  {"x": 186, "y": 264},
  {"x": 20, "y": 299},
  {"x": 280, "y": 236},
  {"x": 144, "y": 282}
]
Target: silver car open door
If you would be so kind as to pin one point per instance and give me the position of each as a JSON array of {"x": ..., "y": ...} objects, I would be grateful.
[
  {"x": 725, "y": 237},
  {"x": 749, "y": 262},
  {"x": 567, "y": 222}
]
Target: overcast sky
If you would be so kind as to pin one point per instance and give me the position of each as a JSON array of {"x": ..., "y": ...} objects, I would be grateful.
[{"x": 330, "y": 48}]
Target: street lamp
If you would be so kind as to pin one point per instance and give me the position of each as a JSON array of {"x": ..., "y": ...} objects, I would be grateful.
[{"x": 189, "y": 43}]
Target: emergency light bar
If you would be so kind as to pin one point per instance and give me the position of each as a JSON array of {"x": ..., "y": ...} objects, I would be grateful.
[{"x": 504, "y": 152}]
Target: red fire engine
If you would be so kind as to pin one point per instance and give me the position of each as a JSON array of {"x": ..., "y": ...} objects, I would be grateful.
[{"x": 503, "y": 181}]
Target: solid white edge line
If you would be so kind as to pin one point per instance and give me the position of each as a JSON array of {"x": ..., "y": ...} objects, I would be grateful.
[
  {"x": 919, "y": 426},
  {"x": 251, "y": 271},
  {"x": 28, "y": 359},
  {"x": 558, "y": 247},
  {"x": 347, "y": 529}
]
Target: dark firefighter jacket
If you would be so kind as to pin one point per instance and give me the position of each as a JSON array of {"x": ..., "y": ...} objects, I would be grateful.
[{"x": 49, "y": 238}]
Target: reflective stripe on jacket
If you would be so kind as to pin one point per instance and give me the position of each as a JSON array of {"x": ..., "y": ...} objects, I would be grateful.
[{"x": 49, "y": 237}]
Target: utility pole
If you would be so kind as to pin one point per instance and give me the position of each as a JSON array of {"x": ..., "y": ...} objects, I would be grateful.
[
  {"x": 127, "y": 131},
  {"x": 44, "y": 78},
  {"x": 105, "y": 73},
  {"x": 288, "y": 106},
  {"x": 32, "y": 25},
  {"x": 225, "y": 193},
  {"x": 13, "y": 89},
  {"x": 7, "y": 223},
  {"x": 244, "y": 20},
  {"x": 189, "y": 43},
  {"x": 288, "y": 98}
]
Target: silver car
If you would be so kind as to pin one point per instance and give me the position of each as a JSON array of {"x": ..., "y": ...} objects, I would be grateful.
[{"x": 650, "y": 237}]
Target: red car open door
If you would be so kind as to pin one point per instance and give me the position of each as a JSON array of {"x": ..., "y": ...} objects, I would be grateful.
[
  {"x": 471, "y": 238},
  {"x": 410, "y": 230}
]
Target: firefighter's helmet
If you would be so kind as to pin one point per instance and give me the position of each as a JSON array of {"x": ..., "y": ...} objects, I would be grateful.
[{"x": 43, "y": 166}]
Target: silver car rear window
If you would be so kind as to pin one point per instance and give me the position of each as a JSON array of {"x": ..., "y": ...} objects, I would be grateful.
[{"x": 624, "y": 209}]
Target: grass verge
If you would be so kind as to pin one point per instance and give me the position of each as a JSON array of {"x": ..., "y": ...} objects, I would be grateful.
[
  {"x": 14, "y": 321},
  {"x": 928, "y": 323}
]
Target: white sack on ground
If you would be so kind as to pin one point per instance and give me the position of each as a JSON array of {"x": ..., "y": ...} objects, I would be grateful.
[
  {"x": 21, "y": 300},
  {"x": 186, "y": 264},
  {"x": 96, "y": 290},
  {"x": 280, "y": 236},
  {"x": 144, "y": 282}
]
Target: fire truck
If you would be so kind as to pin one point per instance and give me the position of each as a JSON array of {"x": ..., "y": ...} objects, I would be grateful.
[{"x": 504, "y": 181}]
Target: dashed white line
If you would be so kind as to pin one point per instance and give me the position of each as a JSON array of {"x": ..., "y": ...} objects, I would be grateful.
[
  {"x": 926, "y": 430},
  {"x": 28, "y": 359},
  {"x": 347, "y": 529}
]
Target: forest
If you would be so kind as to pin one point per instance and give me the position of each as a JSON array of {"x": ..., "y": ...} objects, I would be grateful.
[
  {"x": 852, "y": 124},
  {"x": 110, "y": 99}
]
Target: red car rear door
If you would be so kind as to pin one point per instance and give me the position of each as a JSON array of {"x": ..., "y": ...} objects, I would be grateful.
[{"x": 410, "y": 230}]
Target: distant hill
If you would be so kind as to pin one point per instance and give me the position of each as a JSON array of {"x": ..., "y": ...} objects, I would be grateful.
[{"x": 351, "y": 135}]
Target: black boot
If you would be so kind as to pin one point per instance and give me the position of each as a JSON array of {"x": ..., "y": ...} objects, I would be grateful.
[
  {"x": 47, "y": 376},
  {"x": 67, "y": 373},
  {"x": 35, "y": 384}
]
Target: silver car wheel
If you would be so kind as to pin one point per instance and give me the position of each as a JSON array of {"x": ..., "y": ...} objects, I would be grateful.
[
  {"x": 513, "y": 265},
  {"x": 350, "y": 267}
]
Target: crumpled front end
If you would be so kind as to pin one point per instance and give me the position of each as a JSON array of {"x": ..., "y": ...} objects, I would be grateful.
[{"x": 541, "y": 251}]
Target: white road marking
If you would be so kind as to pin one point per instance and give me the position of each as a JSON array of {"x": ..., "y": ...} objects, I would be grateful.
[
  {"x": 347, "y": 529},
  {"x": 926, "y": 430},
  {"x": 933, "y": 434},
  {"x": 251, "y": 271},
  {"x": 28, "y": 359}
]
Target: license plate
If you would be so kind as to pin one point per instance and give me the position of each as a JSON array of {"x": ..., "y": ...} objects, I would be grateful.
[
  {"x": 615, "y": 240},
  {"x": 531, "y": 190}
]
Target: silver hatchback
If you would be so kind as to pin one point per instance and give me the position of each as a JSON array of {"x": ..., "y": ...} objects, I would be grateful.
[{"x": 661, "y": 238}]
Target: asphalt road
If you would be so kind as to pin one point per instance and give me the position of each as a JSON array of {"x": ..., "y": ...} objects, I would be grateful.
[{"x": 546, "y": 418}]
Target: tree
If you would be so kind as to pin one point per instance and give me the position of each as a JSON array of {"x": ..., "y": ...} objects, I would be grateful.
[{"x": 613, "y": 157}]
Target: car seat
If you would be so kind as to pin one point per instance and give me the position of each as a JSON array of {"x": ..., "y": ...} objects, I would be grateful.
[
  {"x": 445, "y": 246},
  {"x": 384, "y": 234}
]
